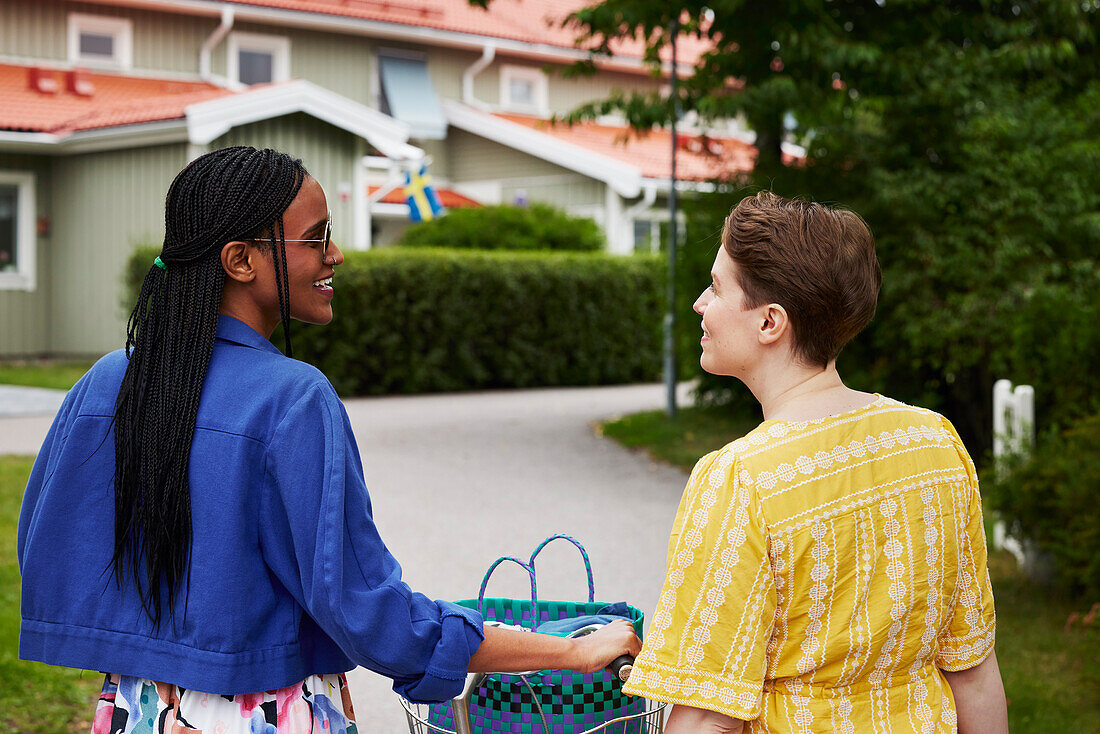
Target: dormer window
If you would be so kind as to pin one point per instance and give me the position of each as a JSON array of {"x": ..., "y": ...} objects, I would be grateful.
[
  {"x": 99, "y": 40},
  {"x": 524, "y": 89},
  {"x": 255, "y": 58}
]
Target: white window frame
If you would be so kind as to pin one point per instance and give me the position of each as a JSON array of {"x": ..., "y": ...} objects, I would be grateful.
[
  {"x": 277, "y": 46},
  {"x": 26, "y": 236},
  {"x": 122, "y": 29},
  {"x": 540, "y": 89}
]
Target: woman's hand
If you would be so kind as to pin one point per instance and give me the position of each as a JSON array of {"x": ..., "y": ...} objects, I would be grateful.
[
  {"x": 597, "y": 650},
  {"x": 689, "y": 720},
  {"x": 512, "y": 651}
]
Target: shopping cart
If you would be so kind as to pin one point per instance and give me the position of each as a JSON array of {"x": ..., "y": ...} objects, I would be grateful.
[
  {"x": 651, "y": 720},
  {"x": 543, "y": 702}
]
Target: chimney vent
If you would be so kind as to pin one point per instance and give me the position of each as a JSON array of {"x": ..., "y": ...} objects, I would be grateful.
[
  {"x": 79, "y": 83},
  {"x": 42, "y": 80}
]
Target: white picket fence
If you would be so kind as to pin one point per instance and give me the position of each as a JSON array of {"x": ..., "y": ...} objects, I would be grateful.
[{"x": 1013, "y": 440}]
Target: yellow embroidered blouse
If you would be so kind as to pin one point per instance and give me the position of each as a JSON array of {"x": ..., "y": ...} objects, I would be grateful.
[{"x": 821, "y": 574}]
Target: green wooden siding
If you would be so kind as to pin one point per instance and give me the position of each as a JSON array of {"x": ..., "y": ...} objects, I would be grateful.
[
  {"x": 112, "y": 202},
  {"x": 329, "y": 154},
  {"x": 568, "y": 94},
  {"x": 474, "y": 158},
  {"x": 33, "y": 29},
  {"x": 162, "y": 41},
  {"x": 338, "y": 62},
  {"x": 577, "y": 195},
  {"x": 25, "y": 315},
  {"x": 564, "y": 95}
]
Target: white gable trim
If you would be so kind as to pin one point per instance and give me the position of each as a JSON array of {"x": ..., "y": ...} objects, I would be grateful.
[
  {"x": 624, "y": 179},
  {"x": 209, "y": 120}
]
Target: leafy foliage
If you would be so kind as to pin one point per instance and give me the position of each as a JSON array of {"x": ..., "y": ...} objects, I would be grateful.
[
  {"x": 1052, "y": 501},
  {"x": 967, "y": 134},
  {"x": 535, "y": 227},
  {"x": 412, "y": 320}
]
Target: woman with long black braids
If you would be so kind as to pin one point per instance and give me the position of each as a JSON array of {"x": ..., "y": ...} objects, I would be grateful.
[{"x": 197, "y": 525}]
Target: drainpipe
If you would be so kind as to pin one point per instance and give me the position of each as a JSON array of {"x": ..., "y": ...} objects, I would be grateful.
[
  {"x": 488, "y": 53},
  {"x": 649, "y": 195},
  {"x": 215, "y": 38}
]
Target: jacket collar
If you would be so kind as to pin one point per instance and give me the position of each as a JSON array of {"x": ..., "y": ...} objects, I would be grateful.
[{"x": 238, "y": 332}]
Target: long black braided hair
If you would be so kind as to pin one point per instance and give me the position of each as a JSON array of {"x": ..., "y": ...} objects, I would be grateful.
[{"x": 230, "y": 194}]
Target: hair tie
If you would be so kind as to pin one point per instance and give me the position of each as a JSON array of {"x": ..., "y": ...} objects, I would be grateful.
[{"x": 160, "y": 263}]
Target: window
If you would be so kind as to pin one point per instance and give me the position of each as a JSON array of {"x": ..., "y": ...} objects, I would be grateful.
[
  {"x": 524, "y": 89},
  {"x": 408, "y": 95},
  {"x": 258, "y": 59},
  {"x": 17, "y": 230},
  {"x": 99, "y": 40}
]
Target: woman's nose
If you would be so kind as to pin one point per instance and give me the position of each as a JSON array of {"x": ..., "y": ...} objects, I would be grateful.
[
  {"x": 335, "y": 253},
  {"x": 700, "y": 304}
]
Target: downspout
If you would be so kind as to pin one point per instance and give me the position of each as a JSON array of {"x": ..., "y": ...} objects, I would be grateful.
[
  {"x": 649, "y": 195},
  {"x": 488, "y": 53},
  {"x": 211, "y": 42}
]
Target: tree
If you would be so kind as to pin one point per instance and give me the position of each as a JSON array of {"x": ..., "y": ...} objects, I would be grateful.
[{"x": 964, "y": 131}]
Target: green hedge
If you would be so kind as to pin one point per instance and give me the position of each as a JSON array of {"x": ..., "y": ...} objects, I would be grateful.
[
  {"x": 410, "y": 320},
  {"x": 535, "y": 227},
  {"x": 1052, "y": 501}
]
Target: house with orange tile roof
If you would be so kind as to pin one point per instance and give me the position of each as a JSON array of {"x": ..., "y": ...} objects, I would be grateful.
[{"x": 102, "y": 102}]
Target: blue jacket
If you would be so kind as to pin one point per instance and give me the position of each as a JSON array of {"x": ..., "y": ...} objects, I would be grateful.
[{"x": 289, "y": 577}]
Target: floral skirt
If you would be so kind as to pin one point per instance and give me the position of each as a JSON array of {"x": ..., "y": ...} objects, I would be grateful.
[{"x": 321, "y": 704}]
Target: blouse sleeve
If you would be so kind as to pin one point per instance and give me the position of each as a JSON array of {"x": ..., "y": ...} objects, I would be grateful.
[
  {"x": 970, "y": 631},
  {"x": 319, "y": 538},
  {"x": 707, "y": 644}
]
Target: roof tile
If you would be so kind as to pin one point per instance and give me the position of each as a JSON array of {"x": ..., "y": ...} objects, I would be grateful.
[
  {"x": 113, "y": 100},
  {"x": 698, "y": 158},
  {"x": 528, "y": 21},
  {"x": 449, "y": 198}
]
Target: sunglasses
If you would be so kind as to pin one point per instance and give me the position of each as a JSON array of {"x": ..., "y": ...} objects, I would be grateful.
[{"x": 325, "y": 240}]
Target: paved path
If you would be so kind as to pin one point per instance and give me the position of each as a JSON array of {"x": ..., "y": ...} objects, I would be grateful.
[{"x": 457, "y": 480}]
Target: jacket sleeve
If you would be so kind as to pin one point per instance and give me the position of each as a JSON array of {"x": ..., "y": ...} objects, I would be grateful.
[
  {"x": 45, "y": 463},
  {"x": 319, "y": 538}
]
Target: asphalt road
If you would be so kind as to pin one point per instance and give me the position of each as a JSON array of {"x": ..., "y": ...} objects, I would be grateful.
[{"x": 458, "y": 480}]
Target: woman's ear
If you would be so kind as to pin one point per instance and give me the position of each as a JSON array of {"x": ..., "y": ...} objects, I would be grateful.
[
  {"x": 238, "y": 261},
  {"x": 774, "y": 323}
]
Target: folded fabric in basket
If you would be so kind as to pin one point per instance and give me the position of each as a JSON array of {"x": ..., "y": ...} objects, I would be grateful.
[{"x": 605, "y": 615}]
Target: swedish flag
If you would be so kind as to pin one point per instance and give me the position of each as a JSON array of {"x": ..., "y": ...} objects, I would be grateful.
[{"x": 420, "y": 196}]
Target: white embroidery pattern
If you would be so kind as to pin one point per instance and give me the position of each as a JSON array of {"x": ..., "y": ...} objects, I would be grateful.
[
  {"x": 706, "y": 612},
  {"x": 818, "y": 574},
  {"x": 931, "y": 614},
  {"x": 895, "y": 569},
  {"x": 786, "y": 473}
]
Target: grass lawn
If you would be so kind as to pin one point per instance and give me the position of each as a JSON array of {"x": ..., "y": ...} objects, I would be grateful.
[
  {"x": 683, "y": 440},
  {"x": 34, "y": 698},
  {"x": 43, "y": 373},
  {"x": 1051, "y": 674}
]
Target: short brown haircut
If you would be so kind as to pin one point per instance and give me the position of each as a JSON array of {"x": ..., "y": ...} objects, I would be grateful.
[{"x": 816, "y": 261}]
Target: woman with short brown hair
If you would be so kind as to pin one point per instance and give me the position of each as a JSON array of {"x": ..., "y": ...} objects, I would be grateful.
[{"x": 827, "y": 571}]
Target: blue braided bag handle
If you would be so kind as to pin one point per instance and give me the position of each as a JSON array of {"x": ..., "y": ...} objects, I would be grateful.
[
  {"x": 485, "y": 582},
  {"x": 584, "y": 556}
]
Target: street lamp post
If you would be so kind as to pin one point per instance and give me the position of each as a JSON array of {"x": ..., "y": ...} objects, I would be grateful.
[{"x": 670, "y": 316}]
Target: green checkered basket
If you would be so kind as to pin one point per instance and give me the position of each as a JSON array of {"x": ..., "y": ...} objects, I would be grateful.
[{"x": 547, "y": 701}]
